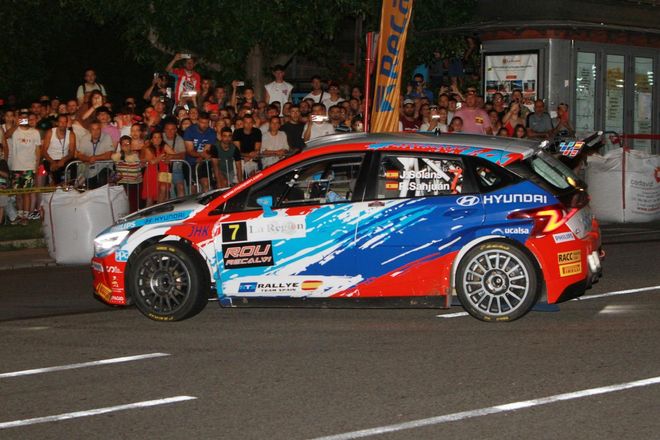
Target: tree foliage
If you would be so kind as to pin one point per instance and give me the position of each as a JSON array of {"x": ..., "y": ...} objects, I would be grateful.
[{"x": 49, "y": 38}]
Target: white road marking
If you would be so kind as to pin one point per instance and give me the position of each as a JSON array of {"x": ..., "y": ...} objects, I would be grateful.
[
  {"x": 513, "y": 406},
  {"x": 94, "y": 412},
  {"x": 582, "y": 298},
  {"x": 82, "y": 365}
]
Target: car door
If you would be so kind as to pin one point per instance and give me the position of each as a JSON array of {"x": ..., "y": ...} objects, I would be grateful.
[
  {"x": 418, "y": 211},
  {"x": 294, "y": 234}
]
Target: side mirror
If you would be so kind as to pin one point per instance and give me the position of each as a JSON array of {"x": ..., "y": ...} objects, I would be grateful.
[{"x": 266, "y": 203}]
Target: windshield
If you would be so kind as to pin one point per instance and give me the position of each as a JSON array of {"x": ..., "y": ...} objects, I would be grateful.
[{"x": 553, "y": 171}]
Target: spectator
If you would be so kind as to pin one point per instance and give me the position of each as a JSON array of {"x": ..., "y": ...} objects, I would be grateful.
[
  {"x": 23, "y": 162},
  {"x": 156, "y": 178},
  {"x": 519, "y": 132},
  {"x": 271, "y": 111},
  {"x": 88, "y": 85},
  {"x": 498, "y": 105},
  {"x": 408, "y": 121},
  {"x": 513, "y": 118},
  {"x": 9, "y": 124},
  {"x": 337, "y": 119},
  {"x": 356, "y": 93},
  {"x": 188, "y": 82},
  {"x": 59, "y": 149},
  {"x": 105, "y": 118},
  {"x": 437, "y": 69},
  {"x": 539, "y": 123},
  {"x": 495, "y": 122},
  {"x": 93, "y": 147},
  {"x": 438, "y": 121},
  {"x": 274, "y": 144},
  {"x": 516, "y": 96},
  {"x": 175, "y": 150},
  {"x": 278, "y": 90},
  {"x": 5, "y": 201},
  {"x": 475, "y": 120},
  {"x": 248, "y": 141},
  {"x": 503, "y": 132},
  {"x": 456, "y": 125},
  {"x": 227, "y": 161},
  {"x": 205, "y": 92},
  {"x": 419, "y": 88},
  {"x": 317, "y": 94},
  {"x": 129, "y": 171},
  {"x": 318, "y": 125},
  {"x": 160, "y": 91},
  {"x": 293, "y": 129},
  {"x": 198, "y": 139},
  {"x": 334, "y": 98},
  {"x": 245, "y": 99},
  {"x": 563, "y": 129},
  {"x": 220, "y": 97},
  {"x": 86, "y": 111}
]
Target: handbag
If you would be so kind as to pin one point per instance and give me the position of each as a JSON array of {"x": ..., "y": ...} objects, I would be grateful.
[{"x": 164, "y": 177}]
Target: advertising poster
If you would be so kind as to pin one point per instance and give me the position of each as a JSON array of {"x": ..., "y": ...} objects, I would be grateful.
[{"x": 506, "y": 72}]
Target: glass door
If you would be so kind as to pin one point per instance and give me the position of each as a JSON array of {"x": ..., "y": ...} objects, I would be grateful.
[{"x": 643, "y": 103}]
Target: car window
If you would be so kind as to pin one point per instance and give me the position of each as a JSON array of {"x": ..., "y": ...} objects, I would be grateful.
[
  {"x": 553, "y": 171},
  {"x": 491, "y": 176},
  {"x": 405, "y": 176},
  {"x": 330, "y": 180}
]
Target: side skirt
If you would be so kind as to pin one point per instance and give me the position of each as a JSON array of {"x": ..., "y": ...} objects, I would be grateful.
[{"x": 398, "y": 302}]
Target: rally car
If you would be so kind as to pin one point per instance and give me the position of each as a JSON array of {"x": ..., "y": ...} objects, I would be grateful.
[{"x": 375, "y": 220}]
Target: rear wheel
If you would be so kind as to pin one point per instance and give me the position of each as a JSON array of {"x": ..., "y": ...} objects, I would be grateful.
[
  {"x": 496, "y": 281},
  {"x": 168, "y": 282}
]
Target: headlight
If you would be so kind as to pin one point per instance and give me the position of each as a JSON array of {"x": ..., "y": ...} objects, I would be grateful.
[{"x": 107, "y": 243}]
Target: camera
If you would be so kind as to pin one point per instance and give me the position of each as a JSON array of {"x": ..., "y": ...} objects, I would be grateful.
[
  {"x": 319, "y": 118},
  {"x": 435, "y": 116},
  {"x": 186, "y": 56},
  {"x": 240, "y": 83},
  {"x": 23, "y": 121}
]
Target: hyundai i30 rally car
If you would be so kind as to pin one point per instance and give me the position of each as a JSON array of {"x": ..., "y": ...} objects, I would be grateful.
[{"x": 365, "y": 220}]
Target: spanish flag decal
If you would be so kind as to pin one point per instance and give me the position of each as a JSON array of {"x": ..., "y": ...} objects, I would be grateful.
[{"x": 311, "y": 285}]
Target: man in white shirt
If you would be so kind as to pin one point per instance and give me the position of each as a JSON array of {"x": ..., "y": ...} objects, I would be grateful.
[
  {"x": 274, "y": 145},
  {"x": 332, "y": 97},
  {"x": 278, "y": 90},
  {"x": 318, "y": 125},
  {"x": 317, "y": 94},
  {"x": 24, "y": 158},
  {"x": 97, "y": 146}
]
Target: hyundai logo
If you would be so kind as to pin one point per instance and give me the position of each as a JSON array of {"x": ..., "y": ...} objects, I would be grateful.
[{"x": 468, "y": 200}]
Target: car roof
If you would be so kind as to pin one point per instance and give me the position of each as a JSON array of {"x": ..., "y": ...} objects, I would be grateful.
[{"x": 525, "y": 147}]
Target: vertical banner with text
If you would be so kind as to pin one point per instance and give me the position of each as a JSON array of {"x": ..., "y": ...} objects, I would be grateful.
[{"x": 394, "y": 21}]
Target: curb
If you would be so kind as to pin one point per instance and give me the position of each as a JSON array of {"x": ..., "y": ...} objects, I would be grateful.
[
  {"x": 33, "y": 264},
  {"x": 29, "y": 243}
]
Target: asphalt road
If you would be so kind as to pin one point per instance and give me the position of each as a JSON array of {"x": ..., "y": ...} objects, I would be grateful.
[{"x": 300, "y": 374}]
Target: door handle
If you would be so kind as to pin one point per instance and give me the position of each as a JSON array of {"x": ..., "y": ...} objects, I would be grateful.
[{"x": 375, "y": 204}]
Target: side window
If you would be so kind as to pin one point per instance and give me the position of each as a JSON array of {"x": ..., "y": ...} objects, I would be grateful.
[
  {"x": 491, "y": 176},
  {"x": 329, "y": 180},
  {"x": 406, "y": 176}
]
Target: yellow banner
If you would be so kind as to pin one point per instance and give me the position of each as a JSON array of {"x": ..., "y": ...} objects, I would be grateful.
[{"x": 394, "y": 21}]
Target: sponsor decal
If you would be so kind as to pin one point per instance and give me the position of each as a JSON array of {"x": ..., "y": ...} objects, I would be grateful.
[
  {"x": 563, "y": 237},
  {"x": 121, "y": 255},
  {"x": 570, "y": 149},
  {"x": 279, "y": 287},
  {"x": 424, "y": 174},
  {"x": 96, "y": 266},
  {"x": 468, "y": 200},
  {"x": 567, "y": 270},
  {"x": 199, "y": 232},
  {"x": 113, "y": 269},
  {"x": 277, "y": 228},
  {"x": 162, "y": 218},
  {"x": 104, "y": 291},
  {"x": 252, "y": 254},
  {"x": 515, "y": 198},
  {"x": 117, "y": 298},
  {"x": 569, "y": 257},
  {"x": 392, "y": 185},
  {"x": 515, "y": 230},
  {"x": 311, "y": 285}
]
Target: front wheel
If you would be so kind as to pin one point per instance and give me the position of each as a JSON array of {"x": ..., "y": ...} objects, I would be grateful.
[
  {"x": 497, "y": 281},
  {"x": 168, "y": 283}
]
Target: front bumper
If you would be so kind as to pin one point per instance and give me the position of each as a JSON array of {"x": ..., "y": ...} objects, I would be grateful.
[{"x": 108, "y": 280}]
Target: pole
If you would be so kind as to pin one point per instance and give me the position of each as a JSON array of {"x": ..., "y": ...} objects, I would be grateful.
[{"x": 367, "y": 78}]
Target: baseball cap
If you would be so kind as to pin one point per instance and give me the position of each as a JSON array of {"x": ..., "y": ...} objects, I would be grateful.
[{"x": 408, "y": 101}]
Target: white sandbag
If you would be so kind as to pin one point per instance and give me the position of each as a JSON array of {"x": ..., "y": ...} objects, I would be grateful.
[
  {"x": 73, "y": 219},
  {"x": 603, "y": 175},
  {"x": 630, "y": 195}
]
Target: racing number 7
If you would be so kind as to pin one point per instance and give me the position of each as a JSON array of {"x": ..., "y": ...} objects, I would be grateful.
[{"x": 234, "y": 232}]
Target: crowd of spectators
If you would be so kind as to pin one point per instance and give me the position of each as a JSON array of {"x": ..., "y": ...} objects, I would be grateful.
[{"x": 188, "y": 134}]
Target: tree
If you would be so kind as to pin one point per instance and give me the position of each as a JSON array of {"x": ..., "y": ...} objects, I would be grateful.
[{"x": 132, "y": 37}]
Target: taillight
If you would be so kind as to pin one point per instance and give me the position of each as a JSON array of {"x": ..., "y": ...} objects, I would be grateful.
[{"x": 546, "y": 219}]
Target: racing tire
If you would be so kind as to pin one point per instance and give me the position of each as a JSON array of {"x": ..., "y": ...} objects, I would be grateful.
[
  {"x": 497, "y": 281},
  {"x": 169, "y": 282}
]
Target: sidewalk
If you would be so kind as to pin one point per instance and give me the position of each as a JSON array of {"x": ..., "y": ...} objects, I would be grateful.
[{"x": 25, "y": 258}]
